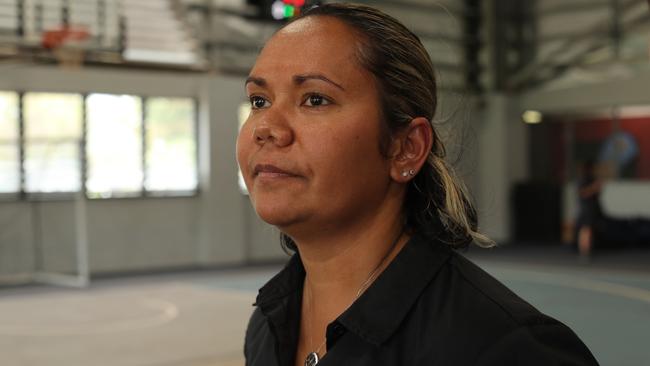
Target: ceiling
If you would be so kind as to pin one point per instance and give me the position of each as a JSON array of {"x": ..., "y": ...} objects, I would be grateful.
[{"x": 508, "y": 45}]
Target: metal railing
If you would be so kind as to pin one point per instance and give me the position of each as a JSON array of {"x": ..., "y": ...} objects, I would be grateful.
[
  {"x": 112, "y": 32},
  {"x": 24, "y": 22}
]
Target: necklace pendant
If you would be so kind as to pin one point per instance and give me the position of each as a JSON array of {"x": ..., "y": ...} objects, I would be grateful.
[{"x": 312, "y": 359}]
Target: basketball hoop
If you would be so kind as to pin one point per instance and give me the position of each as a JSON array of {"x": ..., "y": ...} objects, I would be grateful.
[{"x": 67, "y": 44}]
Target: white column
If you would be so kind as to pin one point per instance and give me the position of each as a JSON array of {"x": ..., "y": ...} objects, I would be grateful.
[
  {"x": 222, "y": 236},
  {"x": 502, "y": 161}
]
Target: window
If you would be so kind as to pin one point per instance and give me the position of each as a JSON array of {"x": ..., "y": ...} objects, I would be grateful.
[
  {"x": 132, "y": 145},
  {"x": 171, "y": 163},
  {"x": 114, "y": 145},
  {"x": 243, "y": 112},
  {"x": 9, "y": 143},
  {"x": 53, "y": 130}
]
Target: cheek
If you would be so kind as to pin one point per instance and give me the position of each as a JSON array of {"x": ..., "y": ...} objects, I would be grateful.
[
  {"x": 244, "y": 147},
  {"x": 352, "y": 158},
  {"x": 240, "y": 152}
]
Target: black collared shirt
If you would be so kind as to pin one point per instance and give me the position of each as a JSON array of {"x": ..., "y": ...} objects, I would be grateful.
[{"x": 430, "y": 306}]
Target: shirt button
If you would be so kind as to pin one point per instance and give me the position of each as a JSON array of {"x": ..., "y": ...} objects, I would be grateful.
[{"x": 337, "y": 329}]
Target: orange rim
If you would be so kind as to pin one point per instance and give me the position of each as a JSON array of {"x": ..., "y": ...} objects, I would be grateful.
[{"x": 56, "y": 37}]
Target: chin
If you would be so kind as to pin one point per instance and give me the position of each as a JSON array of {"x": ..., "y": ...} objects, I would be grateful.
[{"x": 273, "y": 213}]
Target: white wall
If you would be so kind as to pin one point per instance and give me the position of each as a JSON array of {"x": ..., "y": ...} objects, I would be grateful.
[
  {"x": 626, "y": 198},
  {"x": 215, "y": 227},
  {"x": 16, "y": 238}
]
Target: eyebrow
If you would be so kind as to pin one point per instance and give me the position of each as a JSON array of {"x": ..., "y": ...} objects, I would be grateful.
[
  {"x": 297, "y": 79},
  {"x": 255, "y": 80}
]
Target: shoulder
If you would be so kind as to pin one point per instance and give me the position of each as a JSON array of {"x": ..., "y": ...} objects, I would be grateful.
[
  {"x": 487, "y": 323},
  {"x": 256, "y": 331},
  {"x": 256, "y": 323},
  {"x": 468, "y": 292},
  {"x": 494, "y": 298},
  {"x": 545, "y": 344}
]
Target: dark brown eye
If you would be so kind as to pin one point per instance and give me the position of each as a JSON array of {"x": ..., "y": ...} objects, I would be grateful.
[
  {"x": 316, "y": 100},
  {"x": 257, "y": 102}
]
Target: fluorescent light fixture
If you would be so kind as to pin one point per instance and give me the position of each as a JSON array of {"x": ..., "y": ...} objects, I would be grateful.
[{"x": 532, "y": 117}]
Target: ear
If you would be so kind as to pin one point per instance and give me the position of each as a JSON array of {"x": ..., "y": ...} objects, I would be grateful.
[{"x": 411, "y": 150}]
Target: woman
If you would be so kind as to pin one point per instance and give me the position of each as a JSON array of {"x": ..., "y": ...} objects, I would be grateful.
[{"x": 340, "y": 154}]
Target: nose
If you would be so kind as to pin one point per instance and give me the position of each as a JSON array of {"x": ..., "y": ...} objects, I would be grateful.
[{"x": 273, "y": 129}]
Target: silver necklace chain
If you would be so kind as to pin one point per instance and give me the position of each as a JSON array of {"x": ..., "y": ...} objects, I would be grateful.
[{"x": 314, "y": 357}]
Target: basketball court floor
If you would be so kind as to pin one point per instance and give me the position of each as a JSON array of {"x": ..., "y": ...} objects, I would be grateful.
[{"x": 199, "y": 318}]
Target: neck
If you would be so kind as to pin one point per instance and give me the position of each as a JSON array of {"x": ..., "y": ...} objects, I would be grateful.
[
  {"x": 342, "y": 251},
  {"x": 343, "y": 265},
  {"x": 341, "y": 261},
  {"x": 338, "y": 264},
  {"x": 332, "y": 285}
]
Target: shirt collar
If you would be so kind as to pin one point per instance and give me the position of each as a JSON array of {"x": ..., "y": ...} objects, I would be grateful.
[
  {"x": 279, "y": 300},
  {"x": 379, "y": 311},
  {"x": 283, "y": 284}
]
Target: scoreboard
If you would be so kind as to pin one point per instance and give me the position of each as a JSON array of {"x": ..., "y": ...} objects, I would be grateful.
[{"x": 281, "y": 10}]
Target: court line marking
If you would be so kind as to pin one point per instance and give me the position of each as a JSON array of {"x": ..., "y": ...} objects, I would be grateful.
[
  {"x": 564, "y": 280},
  {"x": 580, "y": 269},
  {"x": 166, "y": 312}
]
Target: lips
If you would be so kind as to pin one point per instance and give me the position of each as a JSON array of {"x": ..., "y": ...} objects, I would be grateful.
[{"x": 268, "y": 170}]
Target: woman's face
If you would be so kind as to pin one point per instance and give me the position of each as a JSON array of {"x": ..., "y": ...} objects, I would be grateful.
[{"x": 309, "y": 151}]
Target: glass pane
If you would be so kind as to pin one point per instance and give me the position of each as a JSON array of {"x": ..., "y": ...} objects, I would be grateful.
[
  {"x": 52, "y": 167},
  {"x": 114, "y": 144},
  {"x": 244, "y": 112},
  {"x": 9, "y": 153},
  {"x": 171, "y": 144},
  {"x": 8, "y": 116},
  {"x": 9, "y": 168},
  {"x": 49, "y": 115}
]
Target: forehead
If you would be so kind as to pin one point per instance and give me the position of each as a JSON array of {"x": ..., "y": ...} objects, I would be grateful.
[{"x": 317, "y": 43}]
